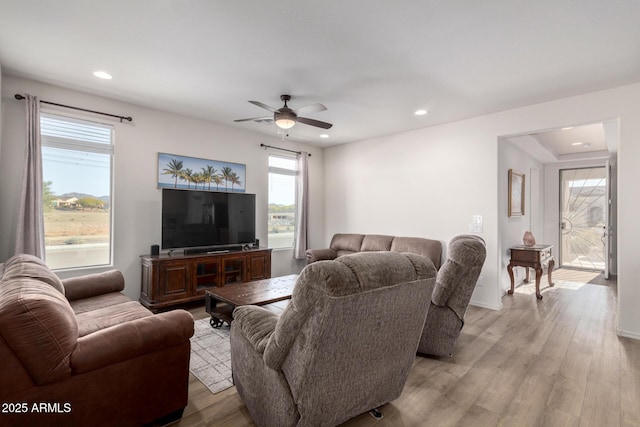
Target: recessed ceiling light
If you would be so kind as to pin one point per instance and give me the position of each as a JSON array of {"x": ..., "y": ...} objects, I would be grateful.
[
  {"x": 324, "y": 135},
  {"x": 570, "y": 127},
  {"x": 576, "y": 143},
  {"x": 586, "y": 145},
  {"x": 102, "y": 75},
  {"x": 420, "y": 112}
]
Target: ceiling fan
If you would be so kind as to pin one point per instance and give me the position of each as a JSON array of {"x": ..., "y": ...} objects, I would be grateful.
[{"x": 286, "y": 118}]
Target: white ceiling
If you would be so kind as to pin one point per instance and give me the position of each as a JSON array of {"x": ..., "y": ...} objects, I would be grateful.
[
  {"x": 372, "y": 63},
  {"x": 585, "y": 142}
]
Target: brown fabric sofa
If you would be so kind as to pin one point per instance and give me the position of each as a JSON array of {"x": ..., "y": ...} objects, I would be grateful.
[
  {"x": 87, "y": 352},
  {"x": 455, "y": 283},
  {"x": 343, "y": 346},
  {"x": 345, "y": 244}
]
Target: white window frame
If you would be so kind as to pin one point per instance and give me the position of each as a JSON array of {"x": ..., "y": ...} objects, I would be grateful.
[{"x": 92, "y": 147}]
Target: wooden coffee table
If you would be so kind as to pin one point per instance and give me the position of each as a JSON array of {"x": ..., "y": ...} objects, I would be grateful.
[{"x": 260, "y": 292}]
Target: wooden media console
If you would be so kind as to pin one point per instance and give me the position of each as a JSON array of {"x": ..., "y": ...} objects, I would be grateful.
[{"x": 169, "y": 280}]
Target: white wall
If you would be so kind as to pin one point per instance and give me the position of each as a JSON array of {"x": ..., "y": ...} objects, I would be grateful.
[
  {"x": 425, "y": 183},
  {"x": 136, "y": 200},
  {"x": 430, "y": 182},
  {"x": 1, "y": 124},
  {"x": 512, "y": 229}
]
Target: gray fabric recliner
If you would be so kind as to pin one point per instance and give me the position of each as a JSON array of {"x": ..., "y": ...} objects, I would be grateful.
[
  {"x": 343, "y": 346},
  {"x": 455, "y": 283}
]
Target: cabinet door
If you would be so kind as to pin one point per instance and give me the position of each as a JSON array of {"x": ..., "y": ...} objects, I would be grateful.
[
  {"x": 174, "y": 281},
  {"x": 258, "y": 266},
  {"x": 207, "y": 271},
  {"x": 233, "y": 269}
]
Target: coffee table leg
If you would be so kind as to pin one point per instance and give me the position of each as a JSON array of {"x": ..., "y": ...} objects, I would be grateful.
[
  {"x": 211, "y": 304},
  {"x": 221, "y": 314}
]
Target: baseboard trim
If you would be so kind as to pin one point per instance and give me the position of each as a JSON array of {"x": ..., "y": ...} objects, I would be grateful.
[
  {"x": 627, "y": 334},
  {"x": 484, "y": 305}
]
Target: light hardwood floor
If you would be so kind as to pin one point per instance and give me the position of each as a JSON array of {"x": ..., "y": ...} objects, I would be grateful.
[{"x": 555, "y": 362}]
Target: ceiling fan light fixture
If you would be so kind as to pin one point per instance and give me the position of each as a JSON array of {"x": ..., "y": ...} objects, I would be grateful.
[{"x": 284, "y": 119}]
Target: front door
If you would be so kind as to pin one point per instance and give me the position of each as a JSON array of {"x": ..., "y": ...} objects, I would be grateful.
[{"x": 583, "y": 218}]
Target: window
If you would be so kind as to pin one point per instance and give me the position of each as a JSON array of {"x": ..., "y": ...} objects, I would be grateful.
[
  {"x": 76, "y": 165},
  {"x": 282, "y": 201}
]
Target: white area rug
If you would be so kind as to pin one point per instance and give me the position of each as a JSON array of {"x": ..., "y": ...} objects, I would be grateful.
[{"x": 211, "y": 356}]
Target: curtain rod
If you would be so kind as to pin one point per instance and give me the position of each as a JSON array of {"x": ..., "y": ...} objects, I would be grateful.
[
  {"x": 18, "y": 96},
  {"x": 282, "y": 149}
]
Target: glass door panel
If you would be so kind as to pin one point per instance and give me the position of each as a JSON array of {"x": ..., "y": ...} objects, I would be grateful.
[
  {"x": 232, "y": 270},
  {"x": 583, "y": 218}
]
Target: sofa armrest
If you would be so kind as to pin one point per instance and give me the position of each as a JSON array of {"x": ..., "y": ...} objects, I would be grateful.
[
  {"x": 314, "y": 255},
  {"x": 91, "y": 285},
  {"x": 256, "y": 324},
  {"x": 131, "y": 339}
]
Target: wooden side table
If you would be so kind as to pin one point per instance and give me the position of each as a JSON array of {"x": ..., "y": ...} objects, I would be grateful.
[{"x": 536, "y": 257}]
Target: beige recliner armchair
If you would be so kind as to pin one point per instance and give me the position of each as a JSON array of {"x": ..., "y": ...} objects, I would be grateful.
[
  {"x": 454, "y": 285},
  {"x": 343, "y": 346}
]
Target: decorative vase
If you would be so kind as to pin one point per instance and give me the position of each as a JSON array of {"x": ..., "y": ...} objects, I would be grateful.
[{"x": 528, "y": 239}]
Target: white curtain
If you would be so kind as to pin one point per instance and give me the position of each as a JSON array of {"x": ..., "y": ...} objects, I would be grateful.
[
  {"x": 30, "y": 227},
  {"x": 302, "y": 206}
]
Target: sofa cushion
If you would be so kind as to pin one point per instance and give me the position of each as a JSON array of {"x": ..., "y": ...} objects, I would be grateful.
[
  {"x": 376, "y": 242},
  {"x": 29, "y": 266},
  {"x": 102, "y": 318},
  {"x": 343, "y": 253},
  {"x": 105, "y": 300},
  {"x": 347, "y": 242}
]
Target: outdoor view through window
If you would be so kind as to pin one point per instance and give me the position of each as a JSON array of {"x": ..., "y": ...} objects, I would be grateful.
[
  {"x": 76, "y": 163},
  {"x": 282, "y": 201}
]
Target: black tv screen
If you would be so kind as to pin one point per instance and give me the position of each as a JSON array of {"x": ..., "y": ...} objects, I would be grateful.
[{"x": 192, "y": 218}]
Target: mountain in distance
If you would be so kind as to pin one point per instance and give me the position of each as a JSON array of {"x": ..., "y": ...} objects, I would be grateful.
[{"x": 105, "y": 199}]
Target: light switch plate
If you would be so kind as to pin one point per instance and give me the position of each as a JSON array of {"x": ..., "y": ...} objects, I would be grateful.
[{"x": 475, "y": 228}]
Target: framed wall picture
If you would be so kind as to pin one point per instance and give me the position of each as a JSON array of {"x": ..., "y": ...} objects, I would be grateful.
[
  {"x": 516, "y": 193},
  {"x": 191, "y": 173}
]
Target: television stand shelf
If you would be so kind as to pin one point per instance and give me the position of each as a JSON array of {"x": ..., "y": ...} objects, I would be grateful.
[{"x": 169, "y": 280}]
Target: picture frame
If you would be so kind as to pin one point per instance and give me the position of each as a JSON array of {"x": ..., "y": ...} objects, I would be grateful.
[
  {"x": 192, "y": 173},
  {"x": 516, "y": 193}
]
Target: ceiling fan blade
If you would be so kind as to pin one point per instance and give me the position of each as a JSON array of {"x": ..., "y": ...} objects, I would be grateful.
[
  {"x": 265, "y": 106},
  {"x": 254, "y": 118},
  {"x": 316, "y": 123},
  {"x": 310, "y": 109}
]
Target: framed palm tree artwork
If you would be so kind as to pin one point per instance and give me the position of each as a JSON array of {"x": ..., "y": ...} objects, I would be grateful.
[
  {"x": 192, "y": 173},
  {"x": 516, "y": 193}
]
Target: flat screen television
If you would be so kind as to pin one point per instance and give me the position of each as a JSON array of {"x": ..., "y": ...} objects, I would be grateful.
[{"x": 194, "y": 218}]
